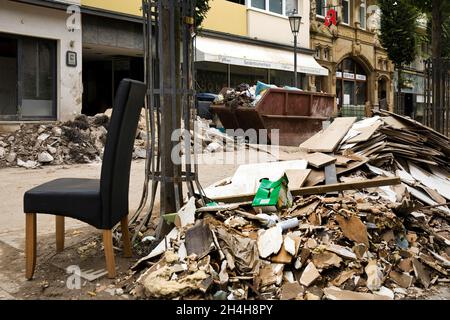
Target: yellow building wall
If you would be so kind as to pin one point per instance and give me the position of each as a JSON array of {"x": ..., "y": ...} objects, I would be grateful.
[
  {"x": 226, "y": 16},
  {"x": 131, "y": 7}
]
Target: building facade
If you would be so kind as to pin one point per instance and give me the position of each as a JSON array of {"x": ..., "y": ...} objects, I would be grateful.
[
  {"x": 40, "y": 63},
  {"x": 360, "y": 73},
  {"x": 249, "y": 41},
  {"x": 65, "y": 57}
]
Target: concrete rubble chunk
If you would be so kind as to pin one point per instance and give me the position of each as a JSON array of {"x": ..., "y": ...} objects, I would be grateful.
[
  {"x": 326, "y": 259},
  {"x": 374, "y": 276},
  {"x": 45, "y": 157},
  {"x": 309, "y": 275}
]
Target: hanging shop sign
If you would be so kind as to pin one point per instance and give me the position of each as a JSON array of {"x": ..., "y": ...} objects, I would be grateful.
[
  {"x": 331, "y": 18},
  {"x": 349, "y": 75},
  {"x": 361, "y": 77}
]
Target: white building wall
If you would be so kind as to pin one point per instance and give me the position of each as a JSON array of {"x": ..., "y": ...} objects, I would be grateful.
[
  {"x": 35, "y": 21},
  {"x": 267, "y": 26}
]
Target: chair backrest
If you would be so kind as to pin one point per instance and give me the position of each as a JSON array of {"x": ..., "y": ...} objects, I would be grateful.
[{"x": 115, "y": 175}]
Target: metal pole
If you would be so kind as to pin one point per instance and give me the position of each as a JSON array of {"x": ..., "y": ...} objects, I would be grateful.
[{"x": 295, "y": 61}]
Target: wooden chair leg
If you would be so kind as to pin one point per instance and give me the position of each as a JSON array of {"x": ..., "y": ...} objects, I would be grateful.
[
  {"x": 109, "y": 253},
  {"x": 127, "y": 252},
  {"x": 30, "y": 245},
  {"x": 59, "y": 234}
]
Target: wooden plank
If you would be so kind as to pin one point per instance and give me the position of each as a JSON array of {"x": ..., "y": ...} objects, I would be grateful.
[
  {"x": 327, "y": 140},
  {"x": 319, "y": 160},
  {"x": 394, "y": 123},
  {"x": 378, "y": 182},
  {"x": 347, "y": 186},
  {"x": 366, "y": 133}
]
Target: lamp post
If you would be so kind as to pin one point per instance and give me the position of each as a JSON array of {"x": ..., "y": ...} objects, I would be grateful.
[{"x": 294, "y": 21}]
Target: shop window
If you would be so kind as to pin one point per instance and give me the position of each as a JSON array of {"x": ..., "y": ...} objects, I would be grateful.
[
  {"x": 321, "y": 7},
  {"x": 211, "y": 77},
  {"x": 28, "y": 82},
  {"x": 249, "y": 75},
  {"x": 286, "y": 78},
  {"x": 351, "y": 83},
  {"x": 346, "y": 11},
  {"x": 362, "y": 14}
]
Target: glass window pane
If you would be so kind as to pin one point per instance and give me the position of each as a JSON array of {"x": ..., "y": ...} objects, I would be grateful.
[
  {"x": 349, "y": 90},
  {"x": 291, "y": 5},
  {"x": 362, "y": 16},
  {"x": 260, "y": 4},
  {"x": 276, "y": 6},
  {"x": 8, "y": 80},
  {"x": 321, "y": 7},
  {"x": 281, "y": 78},
  {"x": 38, "y": 58},
  {"x": 346, "y": 13},
  {"x": 360, "y": 93},
  {"x": 211, "y": 77}
]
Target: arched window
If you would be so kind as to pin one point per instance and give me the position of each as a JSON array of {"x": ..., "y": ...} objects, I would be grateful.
[{"x": 351, "y": 83}]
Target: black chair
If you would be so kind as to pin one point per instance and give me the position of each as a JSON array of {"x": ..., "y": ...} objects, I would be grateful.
[{"x": 100, "y": 203}]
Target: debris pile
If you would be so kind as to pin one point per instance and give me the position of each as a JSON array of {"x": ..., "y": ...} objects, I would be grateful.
[
  {"x": 78, "y": 141},
  {"x": 327, "y": 230},
  {"x": 241, "y": 96}
]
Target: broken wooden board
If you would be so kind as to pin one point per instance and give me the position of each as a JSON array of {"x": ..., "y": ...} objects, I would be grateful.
[
  {"x": 357, "y": 185},
  {"x": 327, "y": 140},
  {"x": 297, "y": 178},
  {"x": 353, "y": 229},
  {"x": 366, "y": 133},
  {"x": 319, "y": 160},
  {"x": 378, "y": 182}
]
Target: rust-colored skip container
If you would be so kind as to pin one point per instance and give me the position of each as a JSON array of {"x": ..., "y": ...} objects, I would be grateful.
[{"x": 297, "y": 114}]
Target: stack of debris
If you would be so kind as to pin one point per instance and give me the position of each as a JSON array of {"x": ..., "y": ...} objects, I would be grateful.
[
  {"x": 242, "y": 96},
  {"x": 352, "y": 237},
  {"x": 78, "y": 141}
]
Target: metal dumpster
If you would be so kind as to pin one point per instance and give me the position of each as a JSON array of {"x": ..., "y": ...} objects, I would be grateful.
[{"x": 297, "y": 114}]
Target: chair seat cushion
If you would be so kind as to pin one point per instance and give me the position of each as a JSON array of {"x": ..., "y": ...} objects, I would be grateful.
[{"x": 75, "y": 198}]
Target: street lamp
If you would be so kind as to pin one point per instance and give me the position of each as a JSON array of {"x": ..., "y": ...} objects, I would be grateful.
[{"x": 294, "y": 21}]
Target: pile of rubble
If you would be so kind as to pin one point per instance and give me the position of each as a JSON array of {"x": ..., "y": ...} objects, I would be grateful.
[
  {"x": 78, "y": 141},
  {"x": 241, "y": 96},
  {"x": 343, "y": 235},
  {"x": 83, "y": 140}
]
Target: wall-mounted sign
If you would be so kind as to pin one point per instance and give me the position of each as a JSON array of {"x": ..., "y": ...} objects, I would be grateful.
[
  {"x": 339, "y": 74},
  {"x": 361, "y": 77},
  {"x": 349, "y": 75},
  {"x": 331, "y": 18},
  {"x": 71, "y": 59}
]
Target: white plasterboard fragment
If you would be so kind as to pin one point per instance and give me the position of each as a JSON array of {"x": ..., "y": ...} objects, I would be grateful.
[
  {"x": 247, "y": 178},
  {"x": 270, "y": 241},
  {"x": 186, "y": 215},
  {"x": 430, "y": 180},
  {"x": 405, "y": 177}
]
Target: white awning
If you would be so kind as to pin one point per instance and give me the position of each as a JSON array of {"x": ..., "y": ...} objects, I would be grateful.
[{"x": 249, "y": 55}]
